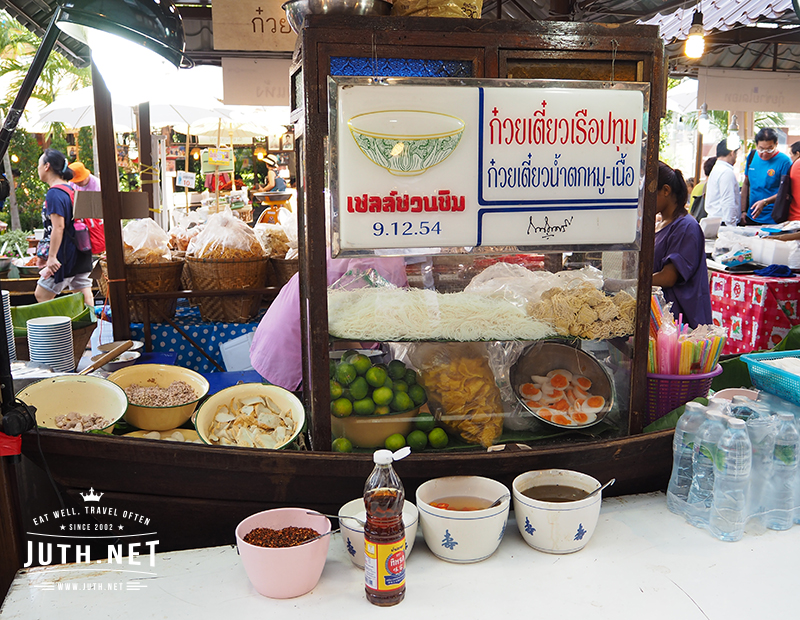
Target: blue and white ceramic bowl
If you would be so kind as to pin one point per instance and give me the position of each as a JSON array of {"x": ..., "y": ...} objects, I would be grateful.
[
  {"x": 556, "y": 527},
  {"x": 462, "y": 536},
  {"x": 353, "y": 532}
]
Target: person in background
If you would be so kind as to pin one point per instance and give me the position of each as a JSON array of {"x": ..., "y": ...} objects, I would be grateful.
[
  {"x": 722, "y": 188},
  {"x": 690, "y": 185},
  {"x": 697, "y": 199},
  {"x": 274, "y": 182},
  {"x": 84, "y": 181},
  {"x": 794, "y": 207},
  {"x": 65, "y": 266},
  {"x": 679, "y": 258},
  {"x": 762, "y": 178}
]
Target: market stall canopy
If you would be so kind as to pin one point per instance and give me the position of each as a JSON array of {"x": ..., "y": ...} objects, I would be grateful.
[
  {"x": 246, "y": 123},
  {"x": 732, "y": 40}
]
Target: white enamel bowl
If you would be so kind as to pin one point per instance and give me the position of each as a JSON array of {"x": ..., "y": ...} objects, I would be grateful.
[
  {"x": 462, "y": 536},
  {"x": 353, "y": 532},
  {"x": 556, "y": 527}
]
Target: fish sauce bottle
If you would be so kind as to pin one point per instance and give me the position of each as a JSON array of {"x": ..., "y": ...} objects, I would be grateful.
[{"x": 384, "y": 533}]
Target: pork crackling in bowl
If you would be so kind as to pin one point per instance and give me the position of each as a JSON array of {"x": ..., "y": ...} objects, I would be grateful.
[
  {"x": 161, "y": 397},
  {"x": 251, "y": 415}
]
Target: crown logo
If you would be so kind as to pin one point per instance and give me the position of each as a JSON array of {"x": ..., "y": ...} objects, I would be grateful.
[{"x": 91, "y": 496}]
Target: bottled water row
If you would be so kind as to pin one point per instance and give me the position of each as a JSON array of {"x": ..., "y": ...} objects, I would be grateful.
[{"x": 735, "y": 464}]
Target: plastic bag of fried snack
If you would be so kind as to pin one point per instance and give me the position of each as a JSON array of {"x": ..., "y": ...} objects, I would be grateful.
[
  {"x": 438, "y": 8},
  {"x": 273, "y": 239},
  {"x": 225, "y": 237},
  {"x": 462, "y": 393},
  {"x": 145, "y": 242}
]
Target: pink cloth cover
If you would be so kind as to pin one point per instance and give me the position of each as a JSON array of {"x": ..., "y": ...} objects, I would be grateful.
[{"x": 276, "y": 350}]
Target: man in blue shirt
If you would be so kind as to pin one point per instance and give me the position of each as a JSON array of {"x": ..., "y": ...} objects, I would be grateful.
[{"x": 762, "y": 178}]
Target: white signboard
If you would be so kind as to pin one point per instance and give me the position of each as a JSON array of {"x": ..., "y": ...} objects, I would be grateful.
[
  {"x": 185, "y": 179},
  {"x": 529, "y": 163},
  {"x": 748, "y": 91},
  {"x": 256, "y": 81}
]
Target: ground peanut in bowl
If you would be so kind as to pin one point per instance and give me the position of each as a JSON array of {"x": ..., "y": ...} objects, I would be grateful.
[{"x": 175, "y": 394}]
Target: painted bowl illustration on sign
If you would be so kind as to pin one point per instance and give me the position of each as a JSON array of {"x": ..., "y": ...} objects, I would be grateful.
[{"x": 406, "y": 142}]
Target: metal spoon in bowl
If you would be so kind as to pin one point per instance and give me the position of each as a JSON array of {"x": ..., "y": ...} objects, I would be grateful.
[
  {"x": 597, "y": 490},
  {"x": 356, "y": 519},
  {"x": 499, "y": 500}
]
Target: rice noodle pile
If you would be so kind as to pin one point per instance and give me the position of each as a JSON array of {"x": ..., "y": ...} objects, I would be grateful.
[{"x": 417, "y": 314}]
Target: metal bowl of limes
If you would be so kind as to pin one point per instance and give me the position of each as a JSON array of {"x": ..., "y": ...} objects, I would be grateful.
[{"x": 370, "y": 402}]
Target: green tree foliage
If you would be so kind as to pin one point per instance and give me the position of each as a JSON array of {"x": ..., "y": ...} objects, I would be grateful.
[
  {"x": 85, "y": 148},
  {"x": 30, "y": 190}
]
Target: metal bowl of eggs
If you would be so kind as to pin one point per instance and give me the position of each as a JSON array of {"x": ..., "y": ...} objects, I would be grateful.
[
  {"x": 296, "y": 10},
  {"x": 562, "y": 385}
]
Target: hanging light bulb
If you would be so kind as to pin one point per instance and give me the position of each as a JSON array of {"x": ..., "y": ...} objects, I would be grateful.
[
  {"x": 703, "y": 122},
  {"x": 195, "y": 153},
  {"x": 695, "y": 42},
  {"x": 14, "y": 159},
  {"x": 733, "y": 142},
  {"x": 260, "y": 153}
]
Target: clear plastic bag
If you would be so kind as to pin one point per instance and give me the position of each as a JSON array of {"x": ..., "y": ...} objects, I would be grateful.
[
  {"x": 461, "y": 388},
  {"x": 145, "y": 242},
  {"x": 226, "y": 237}
]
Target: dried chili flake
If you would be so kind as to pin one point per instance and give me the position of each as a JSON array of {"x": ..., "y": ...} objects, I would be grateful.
[{"x": 287, "y": 537}]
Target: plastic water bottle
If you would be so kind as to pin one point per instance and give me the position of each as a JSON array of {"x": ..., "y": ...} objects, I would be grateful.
[
  {"x": 723, "y": 405},
  {"x": 701, "y": 493},
  {"x": 682, "y": 447},
  {"x": 731, "y": 480},
  {"x": 762, "y": 428},
  {"x": 742, "y": 407},
  {"x": 780, "y": 498}
]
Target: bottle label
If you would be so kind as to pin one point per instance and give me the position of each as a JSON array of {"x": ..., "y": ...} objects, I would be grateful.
[{"x": 385, "y": 565}]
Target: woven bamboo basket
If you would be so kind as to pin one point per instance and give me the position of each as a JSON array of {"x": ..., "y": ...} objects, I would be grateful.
[
  {"x": 215, "y": 275},
  {"x": 150, "y": 278},
  {"x": 285, "y": 269}
]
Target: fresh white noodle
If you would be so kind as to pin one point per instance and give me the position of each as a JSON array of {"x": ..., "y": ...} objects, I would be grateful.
[{"x": 417, "y": 314}]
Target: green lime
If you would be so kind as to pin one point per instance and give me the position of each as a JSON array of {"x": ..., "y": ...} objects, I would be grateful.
[
  {"x": 382, "y": 396},
  {"x": 417, "y": 394},
  {"x": 361, "y": 363},
  {"x": 410, "y": 377},
  {"x": 389, "y": 383},
  {"x": 394, "y": 442},
  {"x": 341, "y": 407},
  {"x": 332, "y": 368},
  {"x": 425, "y": 422},
  {"x": 364, "y": 406},
  {"x": 400, "y": 386},
  {"x": 437, "y": 438},
  {"x": 342, "y": 444},
  {"x": 336, "y": 390},
  {"x": 397, "y": 369},
  {"x": 382, "y": 410},
  {"x": 375, "y": 376},
  {"x": 417, "y": 440},
  {"x": 359, "y": 388},
  {"x": 345, "y": 373},
  {"x": 401, "y": 402},
  {"x": 348, "y": 354}
]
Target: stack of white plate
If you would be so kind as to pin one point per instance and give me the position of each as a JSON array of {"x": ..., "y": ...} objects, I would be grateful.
[
  {"x": 50, "y": 342},
  {"x": 12, "y": 347}
]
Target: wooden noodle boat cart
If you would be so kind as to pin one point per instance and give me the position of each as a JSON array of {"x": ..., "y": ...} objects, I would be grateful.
[{"x": 195, "y": 495}]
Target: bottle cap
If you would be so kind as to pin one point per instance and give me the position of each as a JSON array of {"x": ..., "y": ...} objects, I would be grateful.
[
  {"x": 384, "y": 457},
  {"x": 736, "y": 423}
]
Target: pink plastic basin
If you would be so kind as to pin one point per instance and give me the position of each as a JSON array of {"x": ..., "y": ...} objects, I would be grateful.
[{"x": 284, "y": 572}]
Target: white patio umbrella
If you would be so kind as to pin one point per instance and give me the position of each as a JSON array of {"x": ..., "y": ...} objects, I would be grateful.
[
  {"x": 683, "y": 97},
  {"x": 246, "y": 123},
  {"x": 76, "y": 109}
]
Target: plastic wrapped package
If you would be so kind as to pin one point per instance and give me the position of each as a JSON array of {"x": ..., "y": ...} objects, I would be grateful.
[
  {"x": 225, "y": 237},
  {"x": 273, "y": 239},
  {"x": 438, "y": 8},
  {"x": 461, "y": 388},
  {"x": 145, "y": 242}
]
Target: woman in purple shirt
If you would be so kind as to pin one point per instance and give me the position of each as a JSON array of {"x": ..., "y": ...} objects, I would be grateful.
[{"x": 679, "y": 262}]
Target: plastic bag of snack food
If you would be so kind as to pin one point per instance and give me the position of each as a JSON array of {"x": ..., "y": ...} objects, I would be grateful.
[
  {"x": 225, "y": 237},
  {"x": 273, "y": 239},
  {"x": 438, "y": 8},
  {"x": 462, "y": 393},
  {"x": 145, "y": 242}
]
